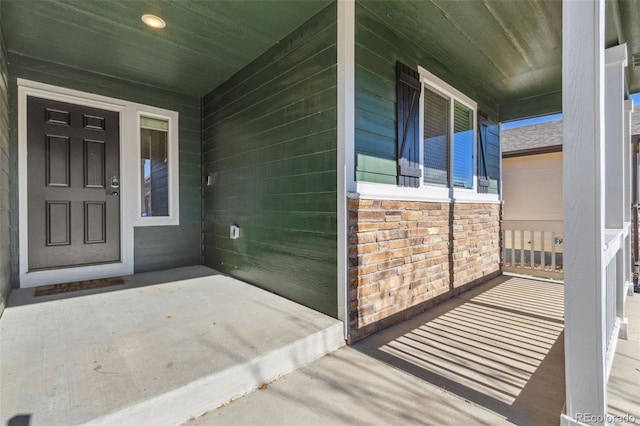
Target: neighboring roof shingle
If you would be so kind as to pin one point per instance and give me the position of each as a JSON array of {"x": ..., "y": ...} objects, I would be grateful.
[
  {"x": 635, "y": 121},
  {"x": 543, "y": 135},
  {"x": 530, "y": 137}
]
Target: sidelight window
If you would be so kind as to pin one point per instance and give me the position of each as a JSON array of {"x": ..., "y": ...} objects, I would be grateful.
[
  {"x": 154, "y": 167},
  {"x": 157, "y": 169}
]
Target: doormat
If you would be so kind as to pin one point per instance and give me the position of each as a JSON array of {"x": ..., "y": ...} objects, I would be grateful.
[{"x": 46, "y": 290}]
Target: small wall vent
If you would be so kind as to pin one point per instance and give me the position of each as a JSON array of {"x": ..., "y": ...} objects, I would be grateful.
[{"x": 636, "y": 59}]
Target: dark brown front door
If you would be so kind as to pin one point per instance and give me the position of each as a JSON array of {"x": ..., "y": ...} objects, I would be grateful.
[{"x": 73, "y": 174}]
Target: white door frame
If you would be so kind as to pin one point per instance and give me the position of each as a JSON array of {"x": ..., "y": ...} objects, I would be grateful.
[{"x": 127, "y": 175}]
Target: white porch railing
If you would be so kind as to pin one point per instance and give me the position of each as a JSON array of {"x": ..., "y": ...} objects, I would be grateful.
[
  {"x": 617, "y": 274},
  {"x": 533, "y": 247},
  {"x": 610, "y": 300}
]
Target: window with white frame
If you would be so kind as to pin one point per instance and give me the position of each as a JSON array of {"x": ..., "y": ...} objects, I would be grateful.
[
  {"x": 446, "y": 150},
  {"x": 154, "y": 167},
  {"x": 157, "y": 168},
  {"x": 448, "y": 135}
]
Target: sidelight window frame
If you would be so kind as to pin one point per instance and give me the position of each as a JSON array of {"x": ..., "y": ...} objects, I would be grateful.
[{"x": 173, "y": 218}]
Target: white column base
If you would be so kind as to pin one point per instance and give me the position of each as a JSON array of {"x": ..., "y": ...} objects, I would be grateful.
[
  {"x": 622, "y": 332},
  {"x": 629, "y": 288},
  {"x": 566, "y": 420}
]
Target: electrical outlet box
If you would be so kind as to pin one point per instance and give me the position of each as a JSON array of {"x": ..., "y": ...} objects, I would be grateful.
[{"x": 234, "y": 232}]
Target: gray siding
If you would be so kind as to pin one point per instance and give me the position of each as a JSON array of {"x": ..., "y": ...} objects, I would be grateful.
[
  {"x": 269, "y": 137},
  {"x": 155, "y": 247},
  {"x": 5, "y": 224}
]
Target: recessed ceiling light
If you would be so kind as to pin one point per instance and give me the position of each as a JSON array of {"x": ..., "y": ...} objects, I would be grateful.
[{"x": 154, "y": 21}]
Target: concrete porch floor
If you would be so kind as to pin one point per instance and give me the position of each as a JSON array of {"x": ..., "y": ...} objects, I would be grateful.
[
  {"x": 161, "y": 348},
  {"x": 624, "y": 381},
  {"x": 492, "y": 356}
]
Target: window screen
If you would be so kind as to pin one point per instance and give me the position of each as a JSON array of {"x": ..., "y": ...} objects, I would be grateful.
[
  {"x": 436, "y": 138},
  {"x": 462, "y": 146}
]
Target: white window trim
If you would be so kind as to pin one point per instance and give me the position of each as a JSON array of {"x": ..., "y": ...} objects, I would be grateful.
[
  {"x": 129, "y": 165},
  {"x": 384, "y": 191},
  {"x": 431, "y": 82},
  {"x": 426, "y": 192},
  {"x": 174, "y": 202}
]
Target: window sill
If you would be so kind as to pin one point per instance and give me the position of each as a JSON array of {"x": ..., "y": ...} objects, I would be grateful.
[
  {"x": 378, "y": 191},
  {"x": 156, "y": 221}
]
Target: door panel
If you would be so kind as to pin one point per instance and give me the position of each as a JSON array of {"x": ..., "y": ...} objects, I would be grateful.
[{"x": 73, "y": 156}]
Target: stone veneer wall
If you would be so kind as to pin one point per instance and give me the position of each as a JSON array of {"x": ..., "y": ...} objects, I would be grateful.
[{"x": 406, "y": 256}]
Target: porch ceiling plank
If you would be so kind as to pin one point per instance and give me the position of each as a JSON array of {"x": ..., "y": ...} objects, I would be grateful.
[
  {"x": 503, "y": 54},
  {"x": 203, "y": 44},
  {"x": 549, "y": 103},
  {"x": 494, "y": 50},
  {"x": 630, "y": 20}
]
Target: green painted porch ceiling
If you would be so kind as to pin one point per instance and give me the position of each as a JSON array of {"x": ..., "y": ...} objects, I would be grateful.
[
  {"x": 503, "y": 52},
  {"x": 204, "y": 43},
  {"x": 508, "y": 52}
]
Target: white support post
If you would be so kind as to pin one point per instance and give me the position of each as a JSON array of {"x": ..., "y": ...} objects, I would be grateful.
[
  {"x": 583, "y": 165},
  {"x": 616, "y": 188},
  {"x": 615, "y": 59},
  {"x": 626, "y": 117},
  {"x": 346, "y": 144},
  {"x": 628, "y": 110}
]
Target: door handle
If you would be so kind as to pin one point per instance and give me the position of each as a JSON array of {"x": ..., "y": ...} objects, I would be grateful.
[{"x": 115, "y": 182}]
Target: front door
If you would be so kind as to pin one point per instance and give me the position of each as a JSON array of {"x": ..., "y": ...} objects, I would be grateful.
[{"x": 73, "y": 171}]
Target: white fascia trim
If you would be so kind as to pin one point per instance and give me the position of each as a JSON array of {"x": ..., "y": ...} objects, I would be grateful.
[
  {"x": 128, "y": 173},
  {"x": 380, "y": 191},
  {"x": 345, "y": 144}
]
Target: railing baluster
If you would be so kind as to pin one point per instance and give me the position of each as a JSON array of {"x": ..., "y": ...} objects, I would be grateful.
[
  {"x": 522, "y": 249},
  {"x": 541, "y": 238},
  {"x": 542, "y": 252},
  {"x": 532, "y": 235},
  {"x": 503, "y": 234},
  {"x": 513, "y": 249},
  {"x": 553, "y": 251}
]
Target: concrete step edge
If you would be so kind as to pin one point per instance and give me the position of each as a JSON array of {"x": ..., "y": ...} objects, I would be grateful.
[{"x": 205, "y": 394}]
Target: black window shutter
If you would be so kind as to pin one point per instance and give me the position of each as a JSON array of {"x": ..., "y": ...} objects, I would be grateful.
[
  {"x": 408, "y": 89},
  {"x": 488, "y": 156}
]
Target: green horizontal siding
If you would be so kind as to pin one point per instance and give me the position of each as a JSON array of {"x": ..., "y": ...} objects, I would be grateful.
[
  {"x": 376, "y": 52},
  {"x": 269, "y": 137},
  {"x": 158, "y": 247},
  {"x": 378, "y": 47},
  {"x": 5, "y": 190}
]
